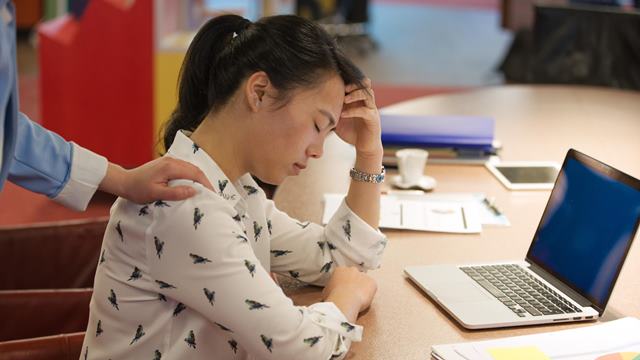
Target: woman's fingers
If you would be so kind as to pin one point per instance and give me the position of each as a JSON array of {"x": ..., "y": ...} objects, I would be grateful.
[
  {"x": 357, "y": 112},
  {"x": 361, "y": 95}
]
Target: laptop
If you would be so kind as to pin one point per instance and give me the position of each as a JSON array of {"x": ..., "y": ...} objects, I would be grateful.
[{"x": 572, "y": 265}]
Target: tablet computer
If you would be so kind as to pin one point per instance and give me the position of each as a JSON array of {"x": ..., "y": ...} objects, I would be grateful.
[{"x": 525, "y": 175}]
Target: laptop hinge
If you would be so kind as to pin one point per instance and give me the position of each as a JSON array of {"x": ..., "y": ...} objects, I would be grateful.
[{"x": 574, "y": 295}]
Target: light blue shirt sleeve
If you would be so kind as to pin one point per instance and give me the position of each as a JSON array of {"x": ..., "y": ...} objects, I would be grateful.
[
  {"x": 46, "y": 163},
  {"x": 42, "y": 159}
]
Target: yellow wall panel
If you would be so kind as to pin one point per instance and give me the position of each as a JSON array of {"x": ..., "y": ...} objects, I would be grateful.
[{"x": 166, "y": 72}]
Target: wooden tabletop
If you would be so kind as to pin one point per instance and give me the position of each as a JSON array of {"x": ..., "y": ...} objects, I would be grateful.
[{"x": 533, "y": 123}]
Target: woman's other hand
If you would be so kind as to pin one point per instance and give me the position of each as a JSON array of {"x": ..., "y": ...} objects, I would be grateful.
[{"x": 351, "y": 290}]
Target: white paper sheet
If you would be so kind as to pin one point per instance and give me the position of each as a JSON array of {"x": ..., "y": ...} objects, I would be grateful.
[
  {"x": 585, "y": 343},
  {"x": 455, "y": 213}
]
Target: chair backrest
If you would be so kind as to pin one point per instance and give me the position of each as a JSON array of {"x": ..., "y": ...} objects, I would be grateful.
[
  {"x": 36, "y": 313},
  {"x": 59, "y": 255},
  {"x": 59, "y": 347},
  {"x": 590, "y": 45}
]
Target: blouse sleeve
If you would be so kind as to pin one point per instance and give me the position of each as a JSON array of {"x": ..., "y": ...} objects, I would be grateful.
[
  {"x": 309, "y": 252},
  {"x": 207, "y": 264}
]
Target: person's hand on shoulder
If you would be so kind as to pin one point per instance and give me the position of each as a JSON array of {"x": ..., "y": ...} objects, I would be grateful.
[{"x": 149, "y": 182}]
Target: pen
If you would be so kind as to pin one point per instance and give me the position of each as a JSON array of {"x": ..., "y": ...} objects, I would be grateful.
[
  {"x": 464, "y": 218},
  {"x": 491, "y": 206},
  {"x": 402, "y": 192}
]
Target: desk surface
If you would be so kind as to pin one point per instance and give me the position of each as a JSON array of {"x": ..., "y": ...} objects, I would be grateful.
[{"x": 533, "y": 123}]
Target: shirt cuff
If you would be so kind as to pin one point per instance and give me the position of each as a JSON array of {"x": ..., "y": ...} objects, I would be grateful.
[
  {"x": 359, "y": 234},
  {"x": 87, "y": 171},
  {"x": 327, "y": 315}
]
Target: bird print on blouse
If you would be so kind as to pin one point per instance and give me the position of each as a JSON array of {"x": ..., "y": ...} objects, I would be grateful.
[
  {"x": 161, "y": 204},
  {"x": 321, "y": 245},
  {"x": 257, "y": 229},
  {"x": 157, "y": 355},
  {"x": 135, "y": 275},
  {"x": 102, "y": 258},
  {"x": 312, "y": 340},
  {"x": 195, "y": 148},
  {"x": 269, "y": 226},
  {"x": 347, "y": 326},
  {"x": 159, "y": 246},
  {"x": 165, "y": 285},
  {"x": 197, "y": 217},
  {"x": 237, "y": 218},
  {"x": 191, "y": 339},
  {"x": 224, "y": 327},
  {"x": 197, "y": 259},
  {"x": 254, "y": 305},
  {"x": 331, "y": 246},
  {"x": 179, "y": 308},
  {"x": 139, "y": 334},
  {"x": 303, "y": 224},
  {"x": 99, "y": 330},
  {"x": 250, "y": 266},
  {"x": 222, "y": 184},
  {"x": 234, "y": 346},
  {"x": 267, "y": 341},
  {"x": 144, "y": 211},
  {"x": 347, "y": 229},
  {"x": 242, "y": 238},
  {"x": 278, "y": 253},
  {"x": 294, "y": 274},
  {"x": 161, "y": 297},
  {"x": 210, "y": 295},
  {"x": 119, "y": 230},
  {"x": 113, "y": 299},
  {"x": 250, "y": 189},
  {"x": 326, "y": 267}
]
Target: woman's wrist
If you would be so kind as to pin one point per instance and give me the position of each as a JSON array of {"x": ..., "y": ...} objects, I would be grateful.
[
  {"x": 346, "y": 303},
  {"x": 369, "y": 162}
]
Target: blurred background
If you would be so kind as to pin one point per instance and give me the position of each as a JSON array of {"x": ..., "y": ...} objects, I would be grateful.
[{"x": 103, "y": 73}]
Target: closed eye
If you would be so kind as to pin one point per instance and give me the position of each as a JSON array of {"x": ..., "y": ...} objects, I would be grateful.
[{"x": 316, "y": 126}]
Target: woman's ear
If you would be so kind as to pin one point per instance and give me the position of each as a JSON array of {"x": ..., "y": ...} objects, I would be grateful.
[{"x": 256, "y": 89}]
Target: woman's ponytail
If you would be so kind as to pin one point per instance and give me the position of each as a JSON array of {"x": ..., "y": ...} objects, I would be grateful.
[{"x": 195, "y": 93}]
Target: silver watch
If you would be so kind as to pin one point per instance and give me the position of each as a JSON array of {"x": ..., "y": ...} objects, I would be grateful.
[{"x": 358, "y": 175}]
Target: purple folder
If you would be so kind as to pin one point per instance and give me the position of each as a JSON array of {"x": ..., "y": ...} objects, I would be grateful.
[{"x": 461, "y": 132}]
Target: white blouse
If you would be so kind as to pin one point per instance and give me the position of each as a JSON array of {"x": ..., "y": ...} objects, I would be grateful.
[{"x": 190, "y": 279}]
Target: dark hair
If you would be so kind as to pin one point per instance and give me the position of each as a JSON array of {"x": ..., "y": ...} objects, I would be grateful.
[{"x": 292, "y": 51}]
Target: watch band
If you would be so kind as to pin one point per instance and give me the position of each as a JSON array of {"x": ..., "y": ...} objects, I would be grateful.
[{"x": 362, "y": 176}]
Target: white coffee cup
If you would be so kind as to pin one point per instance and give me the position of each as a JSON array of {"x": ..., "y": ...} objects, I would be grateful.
[{"x": 411, "y": 163}]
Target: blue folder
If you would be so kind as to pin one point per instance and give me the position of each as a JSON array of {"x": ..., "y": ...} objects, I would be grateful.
[{"x": 459, "y": 132}]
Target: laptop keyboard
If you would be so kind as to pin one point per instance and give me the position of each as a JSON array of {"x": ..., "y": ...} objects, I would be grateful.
[{"x": 519, "y": 291}]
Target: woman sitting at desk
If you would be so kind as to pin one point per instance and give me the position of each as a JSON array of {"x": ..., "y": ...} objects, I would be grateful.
[{"x": 254, "y": 99}]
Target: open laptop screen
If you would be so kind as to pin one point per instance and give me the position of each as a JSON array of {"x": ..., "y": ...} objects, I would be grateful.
[{"x": 587, "y": 227}]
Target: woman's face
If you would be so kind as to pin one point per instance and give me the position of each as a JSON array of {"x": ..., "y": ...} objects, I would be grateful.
[{"x": 287, "y": 136}]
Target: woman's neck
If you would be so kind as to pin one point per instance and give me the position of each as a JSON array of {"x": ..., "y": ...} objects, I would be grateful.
[{"x": 221, "y": 136}]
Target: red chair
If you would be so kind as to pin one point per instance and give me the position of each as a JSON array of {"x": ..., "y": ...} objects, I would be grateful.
[
  {"x": 58, "y": 347},
  {"x": 35, "y": 313},
  {"x": 60, "y": 255}
]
